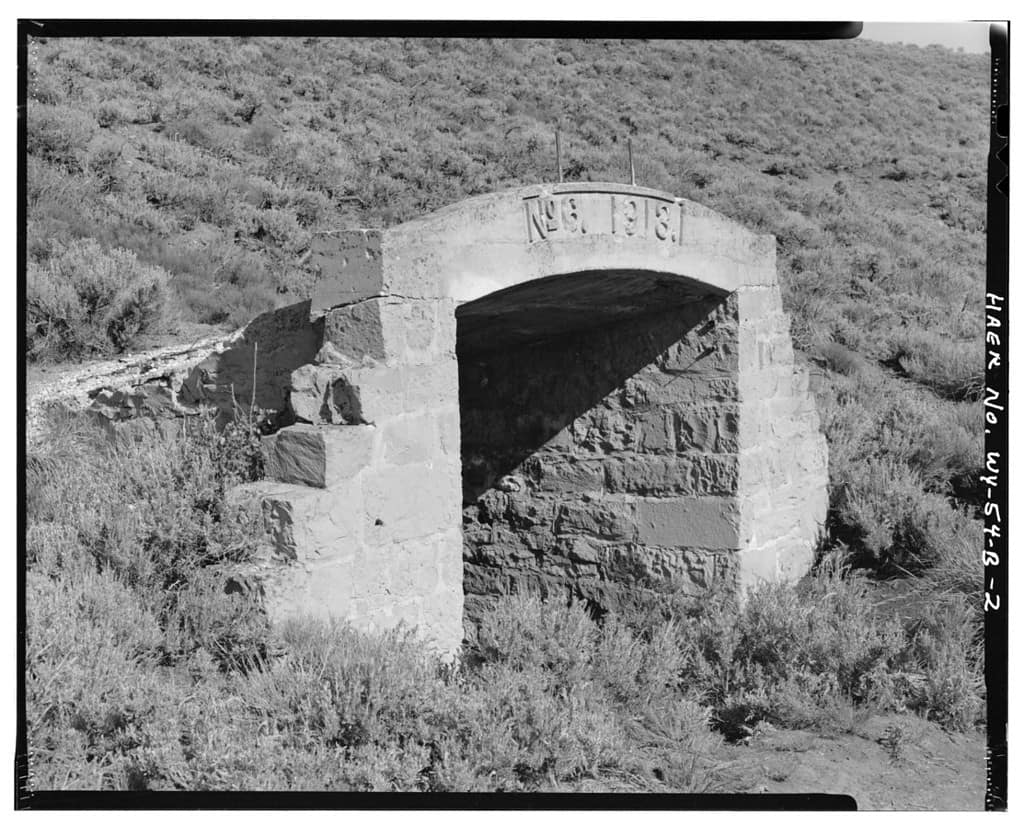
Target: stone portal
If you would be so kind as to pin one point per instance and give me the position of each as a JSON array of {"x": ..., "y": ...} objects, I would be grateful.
[{"x": 589, "y": 388}]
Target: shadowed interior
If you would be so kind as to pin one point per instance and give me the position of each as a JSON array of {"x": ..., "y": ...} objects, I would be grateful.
[
  {"x": 580, "y": 395},
  {"x": 546, "y": 308}
]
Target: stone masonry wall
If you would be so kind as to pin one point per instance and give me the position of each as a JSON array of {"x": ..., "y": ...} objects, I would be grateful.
[
  {"x": 783, "y": 456},
  {"x": 606, "y": 463},
  {"x": 363, "y": 496}
]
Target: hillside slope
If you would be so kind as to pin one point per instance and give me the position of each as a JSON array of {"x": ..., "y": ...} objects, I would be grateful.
[{"x": 218, "y": 161}]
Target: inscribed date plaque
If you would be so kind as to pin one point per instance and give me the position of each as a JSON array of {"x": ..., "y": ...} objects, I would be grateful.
[{"x": 567, "y": 214}]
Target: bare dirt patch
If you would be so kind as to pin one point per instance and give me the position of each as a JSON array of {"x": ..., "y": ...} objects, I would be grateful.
[{"x": 922, "y": 768}]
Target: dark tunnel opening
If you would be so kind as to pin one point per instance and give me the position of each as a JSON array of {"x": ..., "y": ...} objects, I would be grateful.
[{"x": 581, "y": 397}]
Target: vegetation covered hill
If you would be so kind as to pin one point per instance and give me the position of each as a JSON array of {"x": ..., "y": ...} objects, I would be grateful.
[
  {"x": 218, "y": 160},
  {"x": 180, "y": 181}
]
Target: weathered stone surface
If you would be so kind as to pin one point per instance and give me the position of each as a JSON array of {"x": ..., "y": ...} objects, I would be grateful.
[
  {"x": 783, "y": 458},
  {"x": 151, "y": 399},
  {"x": 710, "y": 521},
  {"x": 351, "y": 269},
  {"x": 318, "y": 395},
  {"x": 689, "y": 388},
  {"x": 684, "y": 475},
  {"x": 635, "y": 441},
  {"x": 693, "y": 570},
  {"x": 356, "y": 331},
  {"x": 306, "y": 524},
  {"x": 486, "y": 244},
  {"x": 707, "y": 429},
  {"x": 708, "y": 352},
  {"x": 410, "y": 501},
  {"x": 317, "y": 456},
  {"x": 322, "y": 567},
  {"x": 410, "y": 438},
  {"x": 447, "y": 418},
  {"x": 553, "y": 473},
  {"x": 757, "y": 303},
  {"x": 605, "y": 518},
  {"x": 389, "y": 330},
  {"x": 372, "y": 395},
  {"x": 582, "y": 550},
  {"x": 268, "y": 349},
  {"x": 657, "y": 431}
]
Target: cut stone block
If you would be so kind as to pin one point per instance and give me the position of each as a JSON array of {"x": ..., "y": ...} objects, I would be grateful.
[
  {"x": 351, "y": 269},
  {"x": 317, "y": 456},
  {"x": 409, "y": 502},
  {"x": 377, "y": 393},
  {"x": 411, "y": 438},
  {"x": 306, "y": 524},
  {"x": 711, "y": 522}
]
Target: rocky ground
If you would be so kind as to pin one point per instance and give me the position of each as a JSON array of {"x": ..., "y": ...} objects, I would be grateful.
[
  {"x": 884, "y": 762},
  {"x": 72, "y": 384}
]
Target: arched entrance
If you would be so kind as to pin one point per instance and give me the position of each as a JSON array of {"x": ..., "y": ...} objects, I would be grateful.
[{"x": 585, "y": 386}]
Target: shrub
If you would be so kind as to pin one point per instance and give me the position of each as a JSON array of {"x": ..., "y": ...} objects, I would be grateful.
[
  {"x": 151, "y": 506},
  {"x": 234, "y": 303},
  {"x": 582, "y": 698},
  {"x": 524, "y": 631},
  {"x": 88, "y": 300},
  {"x": 124, "y": 544},
  {"x": 208, "y": 615},
  {"x": 840, "y": 359},
  {"x": 954, "y": 369},
  {"x": 955, "y": 573},
  {"x": 346, "y": 688},
  {"x": 190, "y": 129},
  {"x": 815, "y": 654},
  {"x": 261, "y": 136},
  {"x": 947, "y": 656},
  {"x": 895, "y": 457},
  {"x": 58, "y": 135},
  {"x": 103, "y": 159},
  {"x": 87, "y": 681},
  {"x": 882, "y": 511},
  {"x": 114, "y": 113}
]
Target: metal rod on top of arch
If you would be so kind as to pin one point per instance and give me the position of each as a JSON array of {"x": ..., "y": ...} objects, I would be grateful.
[
  {"x": 558, "y": 154},
  {"x": 632, "y": 171}
]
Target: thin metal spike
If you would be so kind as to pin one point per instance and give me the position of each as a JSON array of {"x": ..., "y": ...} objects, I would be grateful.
[{"x": 558, "y": 154}]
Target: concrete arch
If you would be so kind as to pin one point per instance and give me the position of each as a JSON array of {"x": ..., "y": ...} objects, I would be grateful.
[
  {"x": 580, "y": 386},
  {"x": 490, "y": 242}
]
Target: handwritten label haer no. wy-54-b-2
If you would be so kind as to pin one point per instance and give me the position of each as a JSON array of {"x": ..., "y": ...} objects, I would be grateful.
[{"x": 568, "y": 214}]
